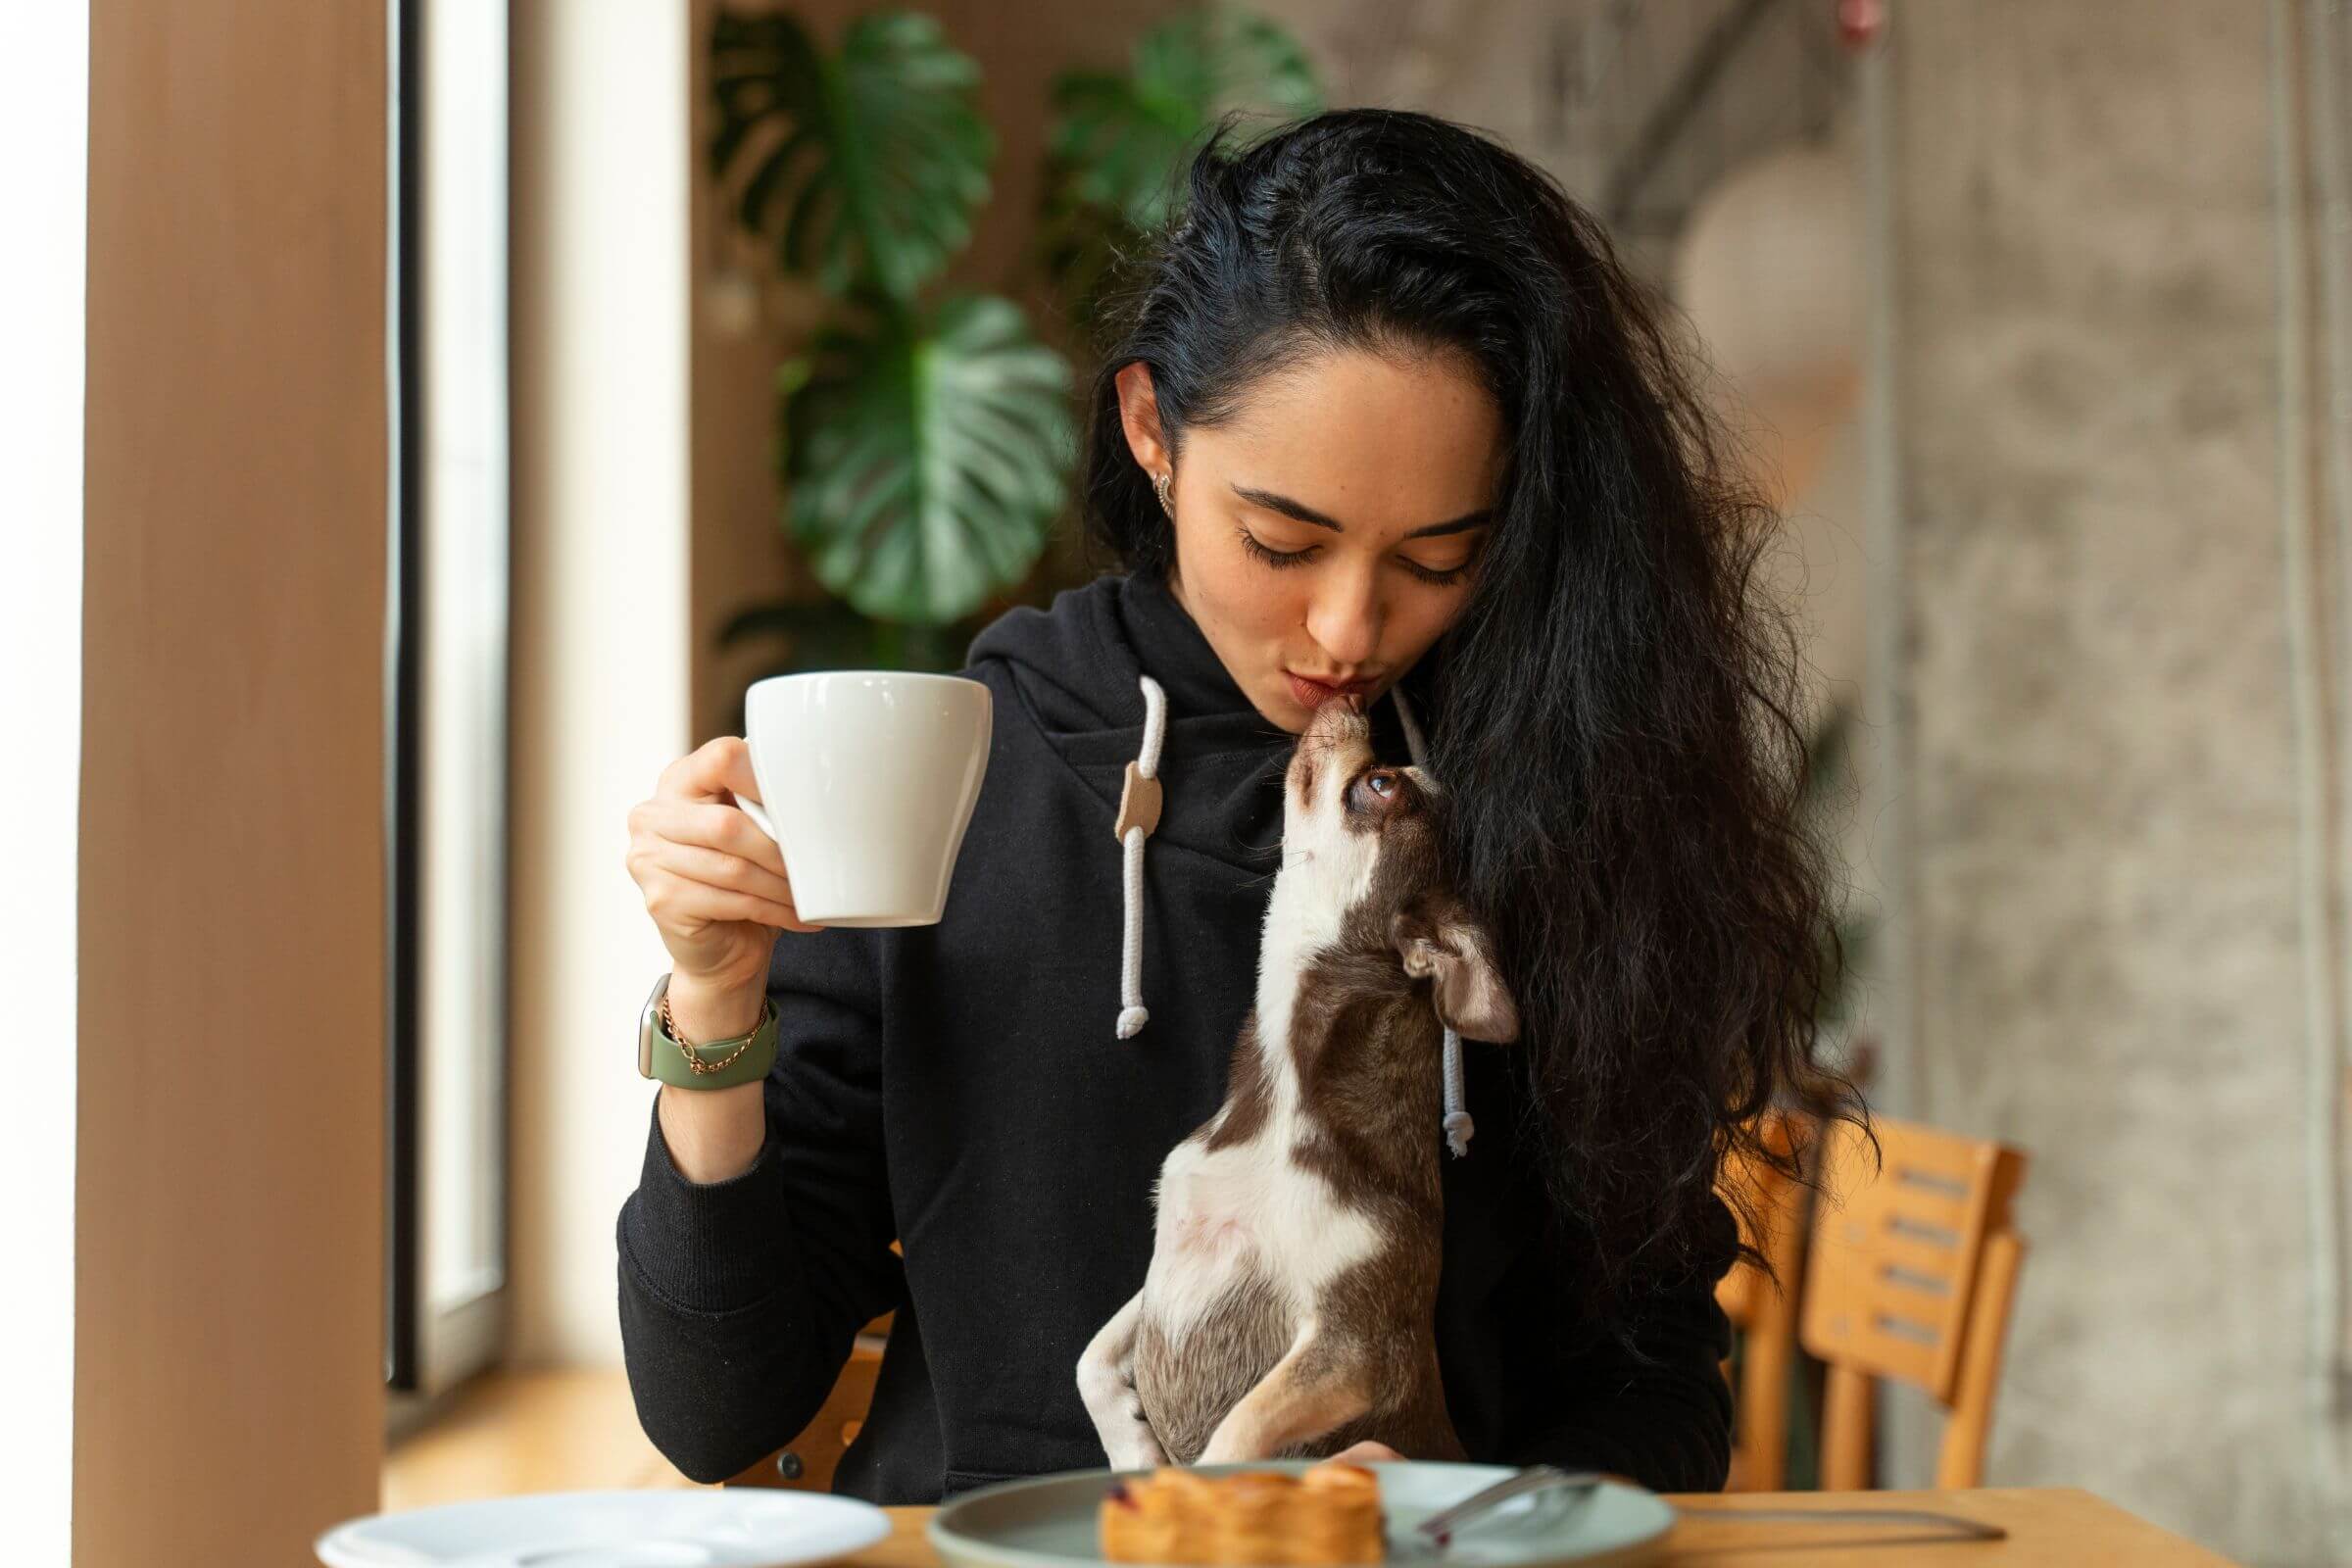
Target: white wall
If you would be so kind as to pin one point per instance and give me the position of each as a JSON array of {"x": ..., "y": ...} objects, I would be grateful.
[
  {"x": 601, "y": 629},
  {"x": 44, "y": 114}
]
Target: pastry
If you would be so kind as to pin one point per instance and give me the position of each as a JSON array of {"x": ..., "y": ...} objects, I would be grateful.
[{"x": 1330, "y": 1514}]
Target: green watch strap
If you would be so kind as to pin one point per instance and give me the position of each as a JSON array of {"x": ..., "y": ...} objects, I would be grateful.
[{"x": 758, "y": 1054}]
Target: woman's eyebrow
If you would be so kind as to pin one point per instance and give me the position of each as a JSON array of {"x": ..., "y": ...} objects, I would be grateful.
[{"x": 1306, "y": 513}]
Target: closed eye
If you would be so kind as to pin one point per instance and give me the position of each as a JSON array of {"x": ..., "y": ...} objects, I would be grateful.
[
  {"x": 1272, "y": 556},
  {"x": 1436, "y": 577}
]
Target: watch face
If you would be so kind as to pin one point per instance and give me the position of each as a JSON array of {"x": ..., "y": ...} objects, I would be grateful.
[{"x": 649, "y": 1021}]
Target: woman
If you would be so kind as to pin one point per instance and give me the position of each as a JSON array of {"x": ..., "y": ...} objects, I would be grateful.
[{"x": 1383, "y": 414}]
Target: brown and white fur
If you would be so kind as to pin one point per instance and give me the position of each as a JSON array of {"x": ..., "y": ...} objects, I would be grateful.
[{"x": 1289, "y": 1308}]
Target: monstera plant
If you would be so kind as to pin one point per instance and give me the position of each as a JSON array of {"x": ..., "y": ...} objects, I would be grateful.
[
  {"x": 926, "y": 442},
  {"x": 1120, "y": 142},
  {"x": 927, "y": 433}
]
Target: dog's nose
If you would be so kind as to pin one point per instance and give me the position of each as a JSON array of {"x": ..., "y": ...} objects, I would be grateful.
[
  {"x": 1342, "y": 718},
  {"x": 1337, "y": 738}
]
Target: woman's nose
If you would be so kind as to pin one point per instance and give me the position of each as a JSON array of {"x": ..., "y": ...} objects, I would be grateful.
[{"x": 1344, "y": 618}]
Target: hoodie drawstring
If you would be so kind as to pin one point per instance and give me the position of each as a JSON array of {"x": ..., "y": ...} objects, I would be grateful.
[
  {"x": 1139, "y": 815},
  {"x": 1457, "y": 1124}
]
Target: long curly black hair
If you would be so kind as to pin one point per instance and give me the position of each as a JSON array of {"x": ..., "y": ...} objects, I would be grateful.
[{"x": 1618, "y": 705}]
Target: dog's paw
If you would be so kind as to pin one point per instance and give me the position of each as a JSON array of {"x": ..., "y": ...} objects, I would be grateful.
[
  {"x": 1143, "y": 1452},
  {"x": 1133, "y": 1445}
]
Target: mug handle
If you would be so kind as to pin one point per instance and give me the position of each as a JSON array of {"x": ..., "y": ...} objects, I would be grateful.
[{"x": 759, "y": 816}]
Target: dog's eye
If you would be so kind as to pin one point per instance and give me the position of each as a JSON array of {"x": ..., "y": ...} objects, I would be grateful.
[{"x": 1380, "y": 790}]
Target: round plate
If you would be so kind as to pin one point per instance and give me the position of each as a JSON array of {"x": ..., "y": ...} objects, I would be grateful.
[
  {"x": 740, "y": 1527},
  {"x": 1049, "y": 1522}
]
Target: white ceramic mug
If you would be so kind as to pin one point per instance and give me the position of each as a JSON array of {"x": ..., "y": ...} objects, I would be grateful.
[{"x": 867, "y": 779}]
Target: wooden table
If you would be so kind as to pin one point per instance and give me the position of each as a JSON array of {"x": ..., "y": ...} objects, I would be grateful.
[
  {"x": 563, "y": 1431},
  {"x": 2060, "y": 1527}
]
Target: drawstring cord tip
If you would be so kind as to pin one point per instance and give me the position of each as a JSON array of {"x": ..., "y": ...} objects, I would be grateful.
[{"x": 1458, "y": 1128}]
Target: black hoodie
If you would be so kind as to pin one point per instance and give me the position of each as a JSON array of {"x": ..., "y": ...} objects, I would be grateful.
[{"x": 960, "y": 1088}]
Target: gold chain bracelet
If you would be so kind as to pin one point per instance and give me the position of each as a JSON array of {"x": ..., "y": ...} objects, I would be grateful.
[{"x": 697, "y": 1064}]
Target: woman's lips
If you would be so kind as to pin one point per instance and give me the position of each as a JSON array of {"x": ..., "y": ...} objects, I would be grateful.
[{"x": 1316, "y": 693}]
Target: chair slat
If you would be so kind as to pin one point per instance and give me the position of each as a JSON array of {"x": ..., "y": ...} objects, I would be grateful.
[{"x": 1912, "y": 1274}]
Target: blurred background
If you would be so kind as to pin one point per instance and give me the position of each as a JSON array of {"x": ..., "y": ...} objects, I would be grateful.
[{"x": 432, "y": 415}]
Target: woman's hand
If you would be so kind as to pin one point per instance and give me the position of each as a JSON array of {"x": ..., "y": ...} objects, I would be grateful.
[
  {"x": 717, "y": 891},
  {"x": 1367, "y": 1453},
  {"x": 715, "y": 884}
]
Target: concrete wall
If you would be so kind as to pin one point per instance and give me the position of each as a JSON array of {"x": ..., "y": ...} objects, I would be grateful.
[{"x": 2091, "y": 407}]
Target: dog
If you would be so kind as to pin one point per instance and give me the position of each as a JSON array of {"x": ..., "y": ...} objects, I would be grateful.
[{"x": 1290, "y": 1305}]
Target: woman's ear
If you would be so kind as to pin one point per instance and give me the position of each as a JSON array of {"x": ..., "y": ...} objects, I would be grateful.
[
  {"x": 1139, "y": 417},
  {"x": 1440, "y": 942}
]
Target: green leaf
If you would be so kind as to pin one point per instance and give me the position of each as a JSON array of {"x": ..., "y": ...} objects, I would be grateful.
[
  {"x": 930, "y": 457},
  {"x": 1119, "y": 140},
  {"x": 1118, "y": 143},
  {"x": 865, "y": 168}
]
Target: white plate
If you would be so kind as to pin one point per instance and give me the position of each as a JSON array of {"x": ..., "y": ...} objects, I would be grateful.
[{"x": 739, "y": 1527}]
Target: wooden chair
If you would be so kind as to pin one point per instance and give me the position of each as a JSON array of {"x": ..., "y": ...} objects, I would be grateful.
[
  {"x": 806, "y": 1463},
  {"x": 1765, "y": 1314},
  {"x": 1911, "y": 1275}
]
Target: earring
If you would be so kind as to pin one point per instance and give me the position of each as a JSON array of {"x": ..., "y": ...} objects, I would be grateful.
[{"x": 1160, "y": 487}]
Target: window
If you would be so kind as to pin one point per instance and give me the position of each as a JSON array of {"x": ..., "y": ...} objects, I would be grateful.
[{"x": 448, "y": 659}]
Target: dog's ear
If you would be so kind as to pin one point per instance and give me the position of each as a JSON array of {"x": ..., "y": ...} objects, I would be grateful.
[{"x": 1442, "y": 942}]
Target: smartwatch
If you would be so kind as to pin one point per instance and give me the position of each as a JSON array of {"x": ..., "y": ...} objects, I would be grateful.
[{"x": 714, "y": 1064}]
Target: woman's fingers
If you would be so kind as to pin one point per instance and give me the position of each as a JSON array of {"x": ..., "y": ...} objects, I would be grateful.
[
  {"x": 711, "y": 825},
  {"x": 674, "y": 900},
  {"x": 717, "y": 869},
  {"x": 701, "y": 859},
  {"x": 719, "y": 767},
  {"x": 715, "y": 886},
  {"x": 667, "y": 861},
  {"x": 695, "y": 801}
]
